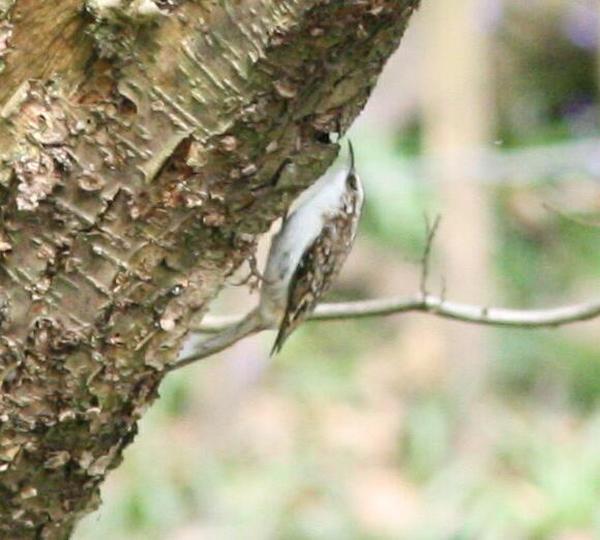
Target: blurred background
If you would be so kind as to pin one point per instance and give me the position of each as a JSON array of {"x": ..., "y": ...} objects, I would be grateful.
[{"x": 410, "y": 426}]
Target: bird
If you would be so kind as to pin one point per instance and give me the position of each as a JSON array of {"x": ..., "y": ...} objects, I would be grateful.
[
  {"x": 310, "y": 249},
  {"x": 304, "y": 259}
]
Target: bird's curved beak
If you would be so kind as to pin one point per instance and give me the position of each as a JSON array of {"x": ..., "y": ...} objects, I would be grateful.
[{"x": 352, "y": 170}]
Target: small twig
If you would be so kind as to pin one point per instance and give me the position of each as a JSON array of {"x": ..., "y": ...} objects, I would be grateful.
[{"x": 430, "y": 232}]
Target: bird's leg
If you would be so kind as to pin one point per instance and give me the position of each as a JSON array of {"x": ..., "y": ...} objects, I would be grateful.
[{"x": 254, "y": 277}]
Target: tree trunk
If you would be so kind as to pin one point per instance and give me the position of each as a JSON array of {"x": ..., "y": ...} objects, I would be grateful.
[{"x": 144, "y": 146}]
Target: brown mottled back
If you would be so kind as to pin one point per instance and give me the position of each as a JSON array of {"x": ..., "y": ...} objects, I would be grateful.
[{"x": 318, "y": 267}]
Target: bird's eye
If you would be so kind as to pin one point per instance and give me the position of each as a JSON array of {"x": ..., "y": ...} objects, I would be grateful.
[{"x": 352, "y": 181}]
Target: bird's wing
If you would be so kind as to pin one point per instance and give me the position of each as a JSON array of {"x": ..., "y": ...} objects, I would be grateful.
[{"x": 317, "y": 269}]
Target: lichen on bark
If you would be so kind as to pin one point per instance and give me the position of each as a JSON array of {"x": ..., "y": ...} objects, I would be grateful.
[{"x": 140, "y": 159}]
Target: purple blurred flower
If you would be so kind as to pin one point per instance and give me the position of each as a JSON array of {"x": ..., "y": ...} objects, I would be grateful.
[{"x": 581, "y": 24}]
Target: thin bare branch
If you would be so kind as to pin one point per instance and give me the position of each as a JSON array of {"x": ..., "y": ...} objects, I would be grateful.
[{"x": 434, "y": 305}]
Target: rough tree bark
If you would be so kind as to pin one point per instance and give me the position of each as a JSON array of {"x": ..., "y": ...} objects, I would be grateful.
[{"x": 143, "y": 147}]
